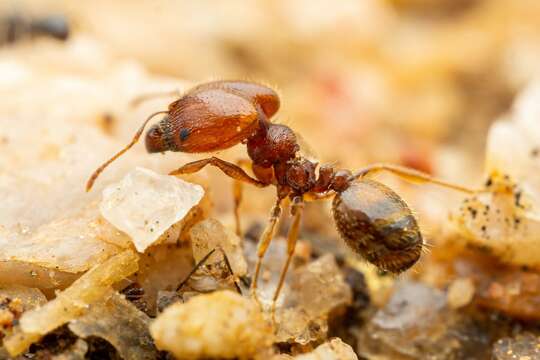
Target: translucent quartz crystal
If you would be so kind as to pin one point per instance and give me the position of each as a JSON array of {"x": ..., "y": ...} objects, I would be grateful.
[
  {"x": 417, "y": 323},
  {"x": 30, "y": 297},
  {"x": 120, "y": 323},
  {"x": 211, "y": 234},
  {"x": 525, "y": 346},
  {"x": 272, "y": 264},
  {"x": 77, "y": 351},
  {"x": 71, "y": 303},
  {"x": 72, "y": 243},
  {"x": 314, "y": 291},
  {"x": 222, "y": 324},
  {"x": 334, "y": 349},
  {"x": 162, "y": 268},
  {"x": 145, "y": 204},
  {"x": 165, "y": 299}
]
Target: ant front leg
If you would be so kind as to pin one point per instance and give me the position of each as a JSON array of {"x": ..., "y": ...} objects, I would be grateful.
[
  {"x": 297, "y": 209},
  {"x": 229, "y": 169},
  {"x": 237, "y": 195},
  {"x": 411, "y": 175},
  {"x": 234, "y": 171}
]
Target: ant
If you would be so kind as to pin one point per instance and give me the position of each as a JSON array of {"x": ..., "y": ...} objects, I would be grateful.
[{"x": 372, "y": 219}]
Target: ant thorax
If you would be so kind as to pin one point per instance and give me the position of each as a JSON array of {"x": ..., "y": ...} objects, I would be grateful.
[
  {"x": 300, "y": 175},
  {"x": 275, "y": 147},
  {"x": 272, "y": 144}
]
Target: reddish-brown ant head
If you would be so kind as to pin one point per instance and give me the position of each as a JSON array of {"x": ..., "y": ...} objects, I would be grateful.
[
  {"x": 158, "y": 137},
  {"x": 301, "y": 175},
  {"x": 215, "y": 116},
  {"x": 212, "y": 117},
  {"x": 275, "y": 144}
]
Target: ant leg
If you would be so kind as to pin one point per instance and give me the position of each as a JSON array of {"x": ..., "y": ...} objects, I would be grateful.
[
  {"x": 411, "y": 175},
  {"x": 231, "y": 170},
  {"x": 264, "y": 242},
  {"x": 145, "y": 97},
  {"x": 297, "y": 208},
  {"x": 237, "y": 194},
  {"x": 100, "y": 169},
  {"x": 205, "y": 259}
]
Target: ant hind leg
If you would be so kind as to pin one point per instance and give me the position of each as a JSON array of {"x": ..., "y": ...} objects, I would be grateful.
[
  {"x": 411, "y": 175},
  {"x": 264, "y": 242}
]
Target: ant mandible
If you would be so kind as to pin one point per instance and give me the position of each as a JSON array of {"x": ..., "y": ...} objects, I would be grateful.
[{"x": 372, "y": 219}]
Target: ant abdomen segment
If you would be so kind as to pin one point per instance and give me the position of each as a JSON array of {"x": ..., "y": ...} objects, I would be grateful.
[{"x": 376, "y": 223}]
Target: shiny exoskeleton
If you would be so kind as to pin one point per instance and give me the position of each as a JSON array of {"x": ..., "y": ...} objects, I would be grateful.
[{"x": 373, "y": 220}]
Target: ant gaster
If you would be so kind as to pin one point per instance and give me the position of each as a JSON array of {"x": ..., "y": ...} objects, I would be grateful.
[{"x": 372, "y": 219}]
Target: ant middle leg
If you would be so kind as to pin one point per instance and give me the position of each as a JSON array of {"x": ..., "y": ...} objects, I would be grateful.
[
  {"x": 411, "y": 175},
  {"x": 297, "y": 208},
  {"x": 205, "y": 259},
  {"x": 237, "y": 197},
  {"x": 264, "y": 242}
]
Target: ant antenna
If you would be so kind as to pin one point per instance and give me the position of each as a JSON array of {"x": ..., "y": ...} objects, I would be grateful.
[
  {"x": 100, "y": 169},
  {"x": 203, "y": 260}
]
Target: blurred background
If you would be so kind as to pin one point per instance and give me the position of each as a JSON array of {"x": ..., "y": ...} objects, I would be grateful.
[{"x": 415, "y": 82}]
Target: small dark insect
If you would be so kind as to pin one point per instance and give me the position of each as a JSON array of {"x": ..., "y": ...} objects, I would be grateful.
[
  {"x": 17, "y": 27},
  {"x": 374, "y": 221},
  {"x": 135, "y": 293}
]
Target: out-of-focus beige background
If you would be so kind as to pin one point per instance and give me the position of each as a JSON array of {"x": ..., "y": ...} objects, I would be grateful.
[{"x": 415, "y": 82}]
